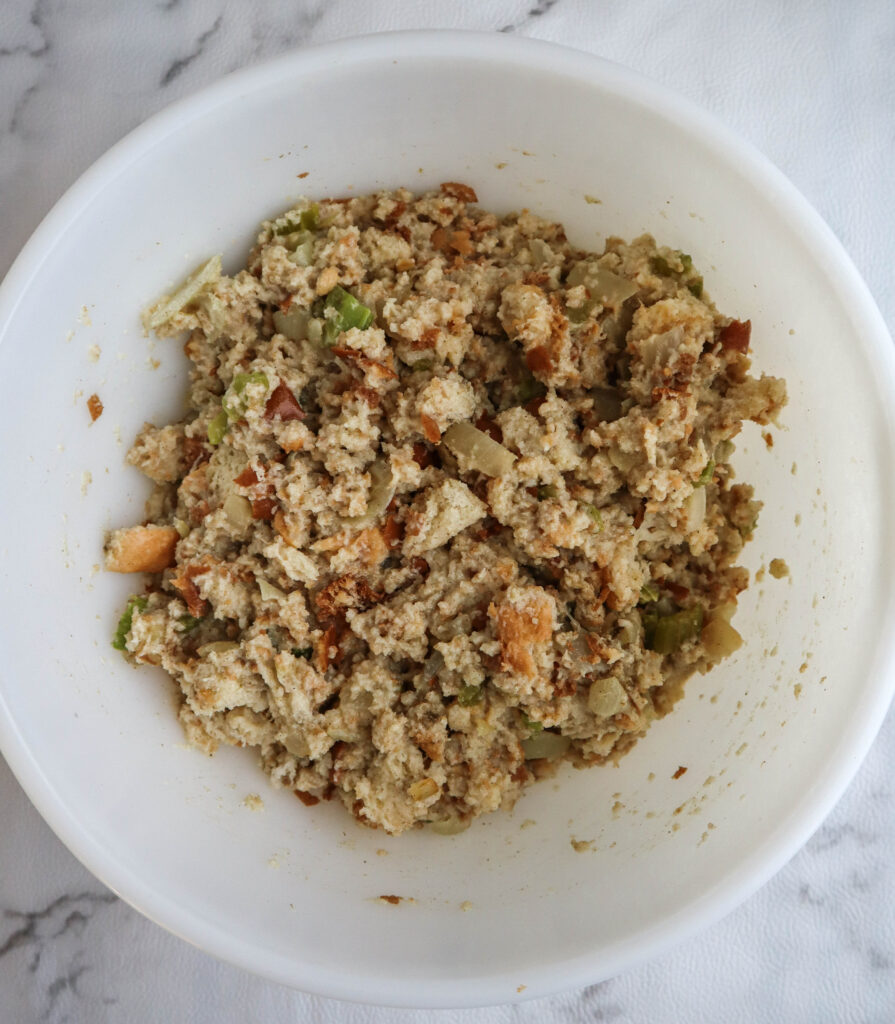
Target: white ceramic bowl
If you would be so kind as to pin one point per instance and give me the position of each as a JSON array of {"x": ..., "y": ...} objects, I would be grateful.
[{"x": 770, "y": 738}]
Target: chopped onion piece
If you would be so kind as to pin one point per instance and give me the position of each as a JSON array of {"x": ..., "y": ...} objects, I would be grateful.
[
  {"x": 629, "y": 629},
  {"x": 475, "y": 450},
  {"x": 695, "y": 506},
  {"x": 720, "y": 639},
  {"x": 540, "y": 252},
  {"x": 545, "y": 744},
  {"x": 268, "y": 591},
  {"x": 423, "y": 789},
  {"x": 602, "y": 285},
  {"x": 606, "y": 697},
  {"x": 315, "y": 331},
  {"x": 303, "y": 254},
  {"x": 294, "y": 324},
  {"x": 297, "y": 745},
  {"x": 382, "y": 490},
  {"x": 449, "y": 827},
  {"x": 169, "y": 306},
  {"x": 724, "y": 611},
  {"x": 217, "y": 647},
  {"x": 238, "y": 511},
  {"x": 624, "y": 462}
]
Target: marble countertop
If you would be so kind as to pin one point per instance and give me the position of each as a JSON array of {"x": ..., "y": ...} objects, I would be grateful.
[{"x": 813, "y": 86}]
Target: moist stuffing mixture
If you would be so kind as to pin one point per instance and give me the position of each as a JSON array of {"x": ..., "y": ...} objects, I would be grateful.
[{"x": 452, "y": 501}]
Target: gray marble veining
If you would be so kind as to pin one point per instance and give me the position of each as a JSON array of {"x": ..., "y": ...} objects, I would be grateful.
[{"x": 811, "y": 85}]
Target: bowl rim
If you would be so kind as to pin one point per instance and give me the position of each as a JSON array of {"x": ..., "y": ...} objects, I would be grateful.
[{"x": 858, "y": 733}]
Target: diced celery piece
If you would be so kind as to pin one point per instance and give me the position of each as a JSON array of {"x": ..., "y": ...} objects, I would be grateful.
[
  {"x": 217, "y": 428},
  {"x": 529, "y": 387},
  {"x": 706, "y": 475},
  {"x": 665, "y": 634},
  {"x": 135, "y": 603},
  {"x": 469, "y": 695},
  {"x": 659, "y": 265},
  {"x": 349, "y": 312},
  {"x": 309, "y": 220},
  {"x": 593, "y": 512},
  {"x": 235, "y": 401}
]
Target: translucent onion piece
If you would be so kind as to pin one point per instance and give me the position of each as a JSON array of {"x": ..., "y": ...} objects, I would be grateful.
[
  {"x": 545, "y": 744},
  {"x": 382, "y": 490},
  {"x": 294, "y": 324},
  {"x": 720, "y": 639},
  {"x": 238, "y": 511},
  {"x": 475, "y": 450},
  {"x": 423, "y": 789},
  {"x": 695, "y": 506},
  {"x": 217, "y": 647},
  {"x": 607, "y": 288},
  {"x": 297, "y": 745},
  {"x": 449, "y": 827},
  {"x": 606, "y": 697},
  {"x": 268, "y": 591},
  {"x": 170, "y": 305},
  {"x": 624, "y": 462}
]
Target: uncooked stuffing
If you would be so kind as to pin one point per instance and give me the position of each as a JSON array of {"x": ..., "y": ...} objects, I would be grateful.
[{"x": 451, "y": 503}]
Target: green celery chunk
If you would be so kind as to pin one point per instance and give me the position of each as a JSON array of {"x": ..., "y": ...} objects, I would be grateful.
[
  {"x": 593, "y": 512},
  {"x": 187, "y": 623},
  {"x": 665, "y": 634},
  {"x": 217, "y": 428},
  {"x": 529, "y": 387},
  {"x": 578, "y": 314},
  {"x": 135, "y": 603},
  {"x": 309, "y": 219},
  {"x": 649, "y": 592},
  {"x": 705, "y": 476},
  {"x": 532, "y": 726},
  {"x": 659, "y": 265},
  {"x": 349, "y": 312},
  {"x": 234, "y": 401},
  {"x": 469, "y": 695},
  {"x": 546, "y": 491},
  {"x": 242, "y": 380},
  {"x": 723, "y": 451}
]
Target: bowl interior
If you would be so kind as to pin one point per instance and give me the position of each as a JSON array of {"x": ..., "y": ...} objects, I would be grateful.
[{"x": 768, "y": 738}]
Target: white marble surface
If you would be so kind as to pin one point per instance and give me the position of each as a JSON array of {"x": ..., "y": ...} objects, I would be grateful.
[{"x": 813, "y": 85}]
